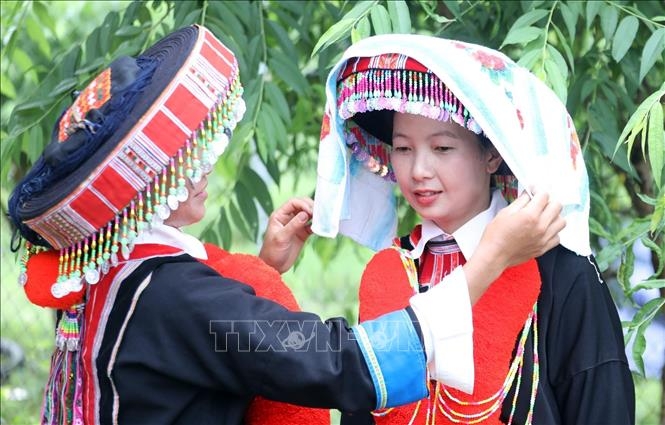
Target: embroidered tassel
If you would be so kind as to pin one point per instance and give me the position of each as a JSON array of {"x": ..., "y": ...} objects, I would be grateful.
[{"x": 63, "y": 393}]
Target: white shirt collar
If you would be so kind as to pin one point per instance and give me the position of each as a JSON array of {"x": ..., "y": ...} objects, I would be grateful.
[
  {"x": 468, "y": 235},
  {"x": 166, "y": 235}
]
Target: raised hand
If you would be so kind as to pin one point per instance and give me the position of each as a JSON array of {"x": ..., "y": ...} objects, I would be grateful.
[
  {"x": 525, "y": 229},
  {"x": 288, "y": 229}
]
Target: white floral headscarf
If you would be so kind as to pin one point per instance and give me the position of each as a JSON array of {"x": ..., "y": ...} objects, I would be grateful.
[{"x": 524, "y": 119}]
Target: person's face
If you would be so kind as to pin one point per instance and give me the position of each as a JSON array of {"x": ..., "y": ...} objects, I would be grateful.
[
  {"x": 193, "y": 209},
  {"x": 441, "y": 169}
]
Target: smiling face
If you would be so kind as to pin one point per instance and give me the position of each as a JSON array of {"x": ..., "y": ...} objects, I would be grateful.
[
  {"x": 442, "y": 169},
  {"x": 193, "y": 209}
]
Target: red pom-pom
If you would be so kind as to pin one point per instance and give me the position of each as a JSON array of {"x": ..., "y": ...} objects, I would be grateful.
[{"x": 42, "y": 272}]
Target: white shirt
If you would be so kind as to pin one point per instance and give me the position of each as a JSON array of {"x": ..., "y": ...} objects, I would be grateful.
[
  {"x": 449, "y": 348},
  {"x": 171, "y": 236}
]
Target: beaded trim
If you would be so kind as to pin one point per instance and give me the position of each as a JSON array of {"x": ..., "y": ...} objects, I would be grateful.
[
  {"x": 91, "y": 258},
  {"x": 444, "y": 401},
  {"x": 400, "y": 90}
]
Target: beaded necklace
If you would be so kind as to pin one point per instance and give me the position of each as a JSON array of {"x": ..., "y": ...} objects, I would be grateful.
[{"x": 456, "y": 408}]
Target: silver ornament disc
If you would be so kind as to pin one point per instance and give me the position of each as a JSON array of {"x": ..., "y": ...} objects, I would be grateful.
[
  {"x": 22, "y": 278},
  {"x": 172, "y": 202},
  {"x": 163, "y": 212},
  {"x": 182, "y": 193},
  {"x": 92, "y": 276},
  {"x": 58, "y": 290}
]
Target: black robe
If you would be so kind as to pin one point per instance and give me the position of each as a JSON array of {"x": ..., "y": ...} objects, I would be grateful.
[
  {"x": 584, "y": 373},
  {"x": 182, "y": 358}
]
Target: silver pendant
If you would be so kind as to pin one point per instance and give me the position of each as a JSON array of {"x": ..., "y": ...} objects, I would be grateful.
[
  {"x": 114, "y": 259},
  {"x": 23, "y": 278},
  {"x": 92, "y": 276},
  {"x": 124, "y": 250},
  {"x": 172, "y": 202},
  {"x": 163, "y": 212},
  {"x": 182, "y": 193},
  {"x": 58, "y": 290}
]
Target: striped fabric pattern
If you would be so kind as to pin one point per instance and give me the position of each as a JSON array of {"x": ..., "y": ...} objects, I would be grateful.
[{"x": 201, "y": 83}]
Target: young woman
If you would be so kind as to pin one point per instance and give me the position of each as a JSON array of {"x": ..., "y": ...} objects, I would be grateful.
[{"x": 439, "y": 117}]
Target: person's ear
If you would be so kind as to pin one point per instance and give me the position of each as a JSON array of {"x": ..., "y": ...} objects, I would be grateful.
[{"x": 494, "y": 160}]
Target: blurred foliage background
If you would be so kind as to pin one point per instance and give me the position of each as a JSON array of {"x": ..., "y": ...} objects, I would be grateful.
[{"x": 603, "y": 58}]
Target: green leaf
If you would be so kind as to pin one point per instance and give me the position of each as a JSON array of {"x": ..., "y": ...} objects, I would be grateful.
[
  {"x": 529, "y": 18},
  {"x": 247, "y": 208},
  {"x": 92, "y": 45},
  {"x": 239, "y": 222},
  {"x": 276, "y": 98},
  {"x": 128, "y": 31},
  {"x": 224, "y": 229},
  {"x": 288, "y": 71},
  {"x": 341, "y": 28},
  {"x": 626, "y": 268},
  {"x": 277, "y": 129},
  {"x": 639, "y": 346},
  {"x": 36, "y": 33},
  {"x": 21, "y": 60},
  {"x": 258, "y": 188},
  {"x": 283, "y": 38},
  {"x": 646, "y": 199},
  {"x": 556, "y": 79},
  {"x": 363, "y": 29},
  {"x": 624, "y": 37},
  {"x": 569, "y": 16},
  {"x": 608, "y": 255},
  {"x": 592, "y": 8},
  {"x": 521, "y": 35},
  {"x": 566, "y": 48},
  {"x": 659, "y": 251},
  {"x": 636, "y": 120},
  {"x": 400, "y": 16},
  {"x": 64, "y": 86},
  {"x": 45, "y": 18},
  {"x": 658, "y": 217},
  {"x": 334, "y": 34},
  {"x": 7, "y": 87},
  {"x": 609, "y": 16},
  {"x": 265, "y": 132},
  {"x": 597, "y": 229},
  {"x": 650, "y": 284},
  {"x": 530, "y": 57},
  {"x": 656, "y": 142},
  {"x": 653, "y": 50},
  {"x": 380, "y": 20}
]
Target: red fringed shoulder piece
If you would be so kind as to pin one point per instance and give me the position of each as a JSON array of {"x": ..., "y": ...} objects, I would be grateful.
[
  {"x": 42, "y": 272},
  {"x": 267, "y": 283},
  {"x": 498, "y": 318},
  {"x": 384, "y": 285}
]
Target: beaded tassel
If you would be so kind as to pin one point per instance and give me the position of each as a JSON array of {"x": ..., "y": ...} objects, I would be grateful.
[{"x": 62, "y": 402}]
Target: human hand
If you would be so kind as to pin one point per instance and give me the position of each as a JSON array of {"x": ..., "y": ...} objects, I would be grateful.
[
  {"x": 288, "y": 229},
  {"x": 525, "y": 229}
]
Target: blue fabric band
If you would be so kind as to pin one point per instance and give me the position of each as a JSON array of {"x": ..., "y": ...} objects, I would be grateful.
[{"x": 395, "y": 358}]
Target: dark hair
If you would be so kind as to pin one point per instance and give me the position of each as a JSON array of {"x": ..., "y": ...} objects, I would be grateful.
[{"x": 485, "y": 144}]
